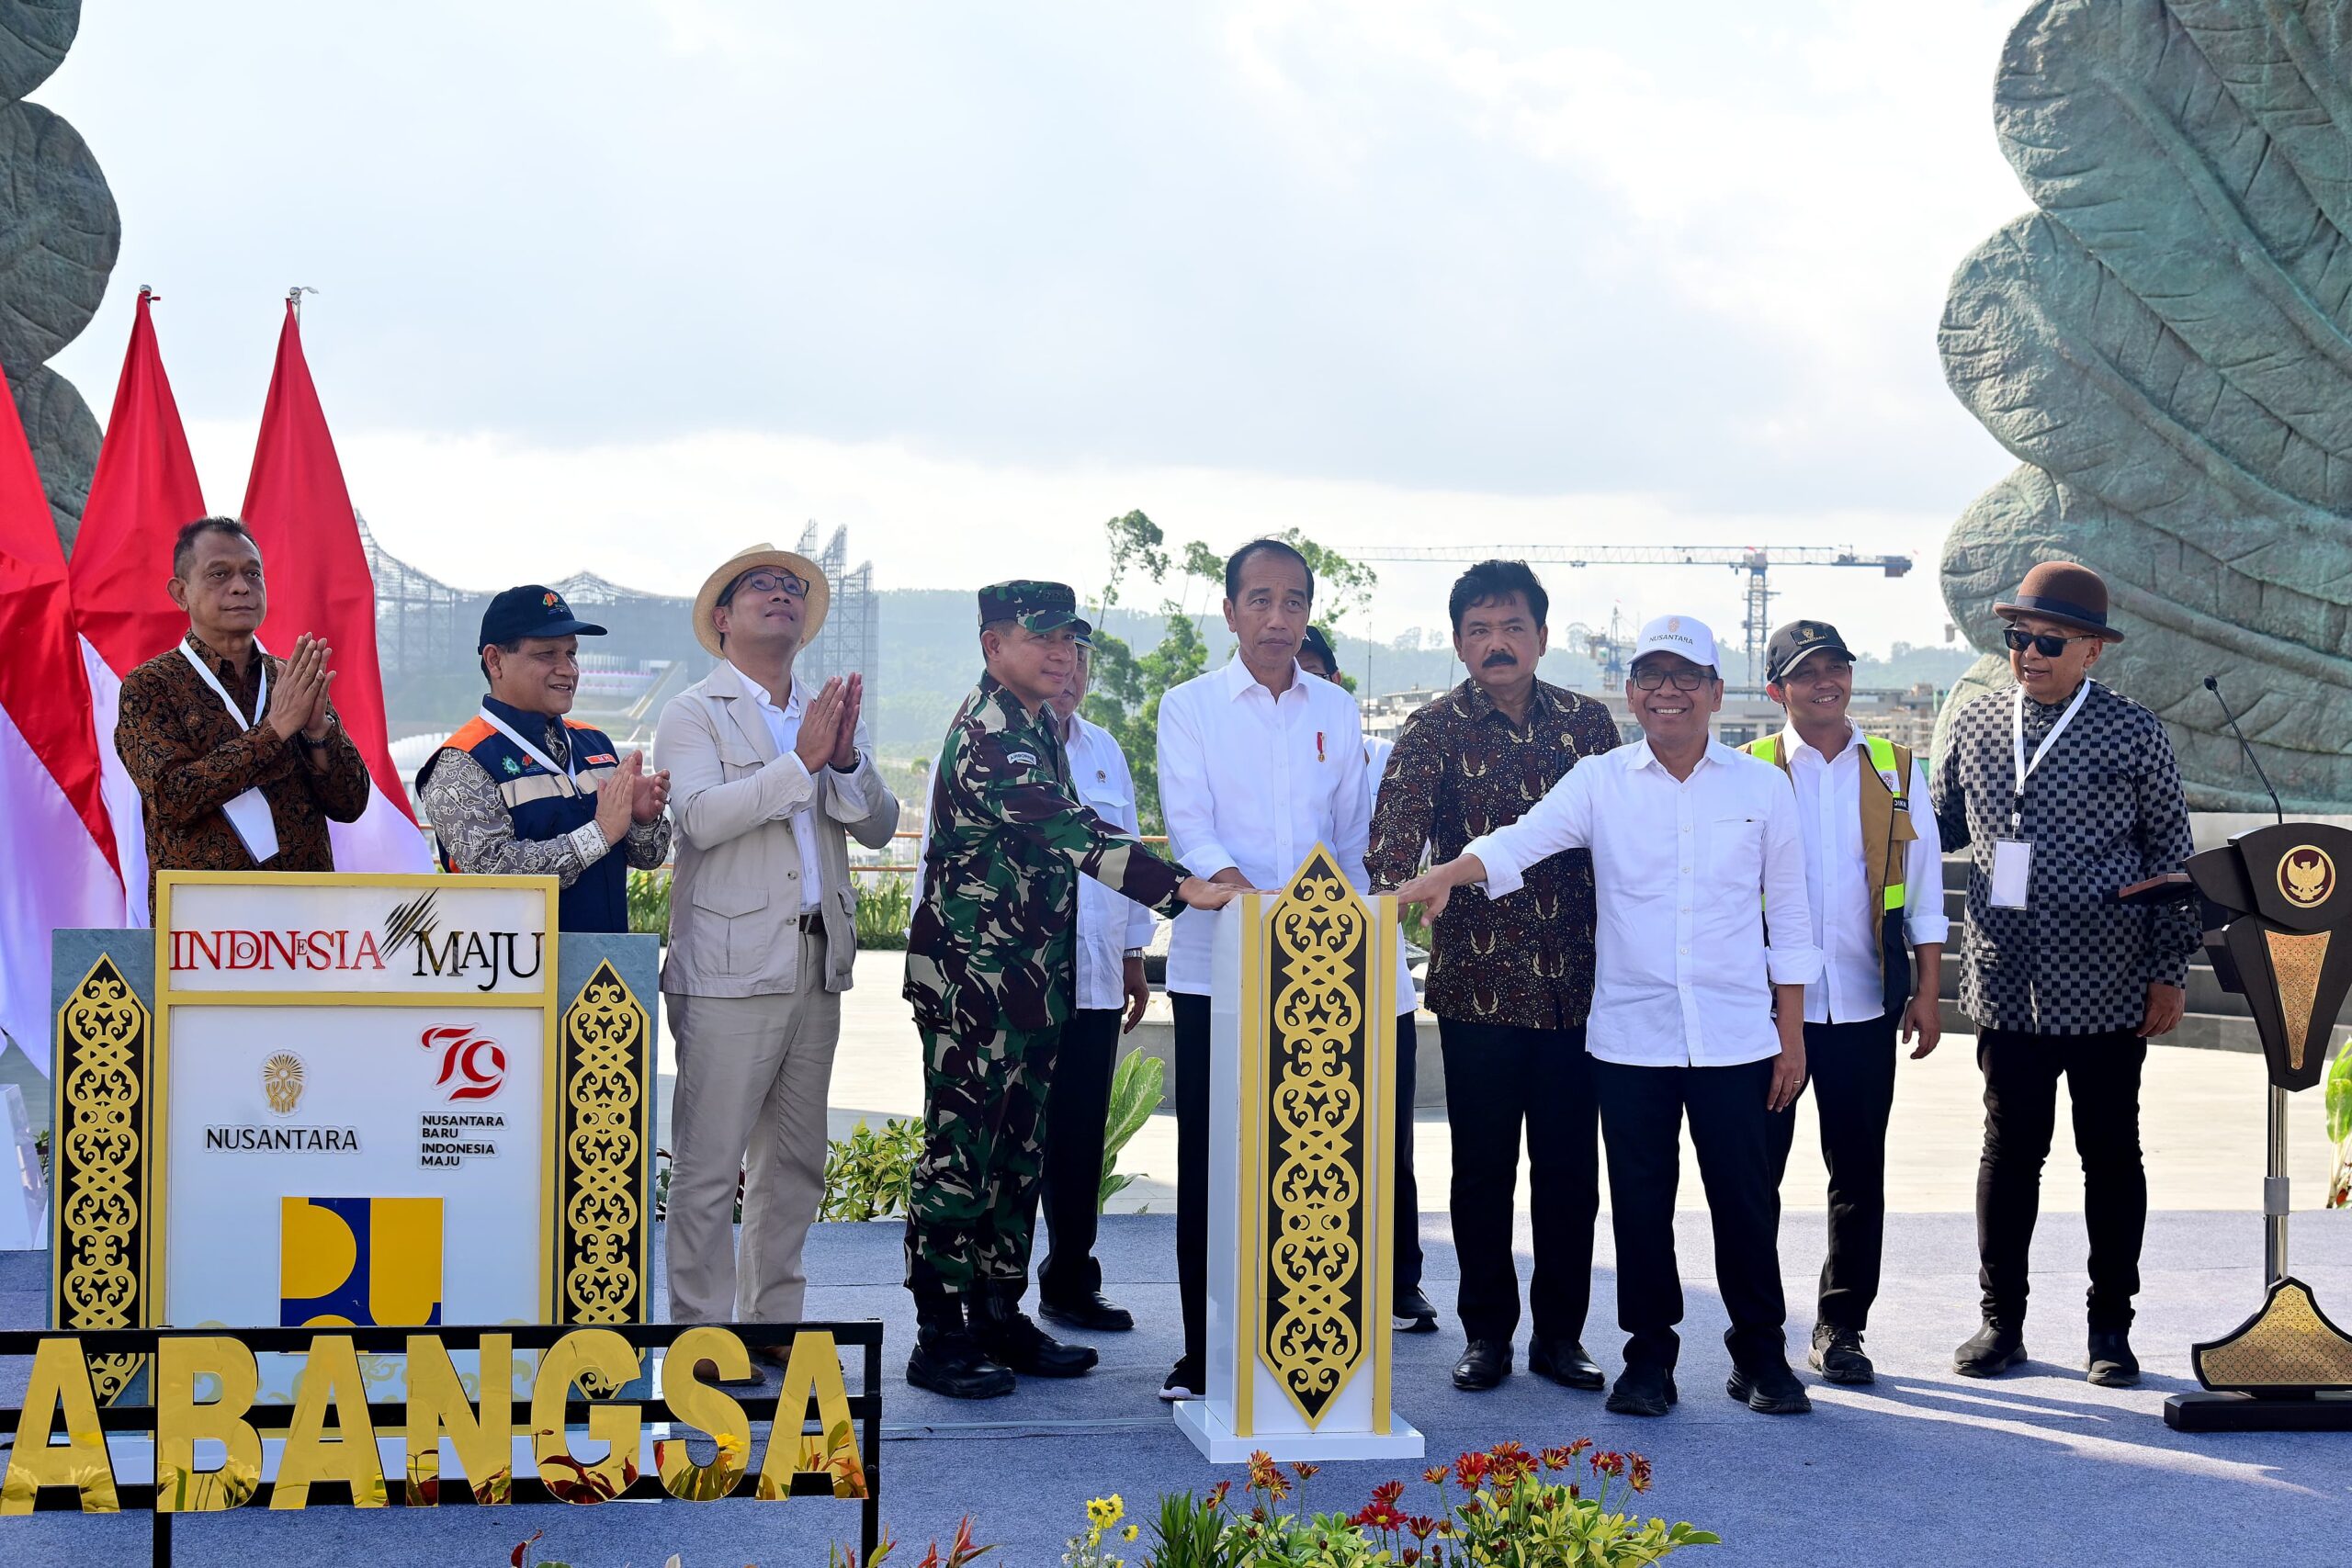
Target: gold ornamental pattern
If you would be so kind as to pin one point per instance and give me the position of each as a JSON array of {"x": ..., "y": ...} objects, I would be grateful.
[
  {"x": 2288, "y": 1346},
  {"x": 1315, "y": 1281},
  {"x": 104, "y": 1035},
  {"x": 601, "y": 1242},
  {"x": 2297, "y": 960}
]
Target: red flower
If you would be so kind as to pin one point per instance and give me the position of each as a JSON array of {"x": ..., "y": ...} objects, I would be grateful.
[
  {"x": 1305, "y": 1471},
  {"x": 1217, "y": 1491},
  {"x": 1609, "y": 1463},
  {"x": 1470, "y": 1469},
  {"x": 1578, "y": 1447},
  {"x": 1420, "y": 1525},
  {"x": 1510, "y": 1462},
  {"x": 1557, "y": 1458},
  {"x": 1435, "y": 1475},
  {"x": 1387, "y": 1492},
  {"x": 1411, "y": 1555},
  {"x": 515, "y": 1556},
  {"x": 1639, "y": 1472}
]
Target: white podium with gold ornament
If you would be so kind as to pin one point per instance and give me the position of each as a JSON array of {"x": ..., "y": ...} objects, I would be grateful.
[{"x": 1303, "y": 1109}]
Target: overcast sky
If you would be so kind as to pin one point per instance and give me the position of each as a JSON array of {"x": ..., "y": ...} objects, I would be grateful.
[{"x": 627, "y": 286}]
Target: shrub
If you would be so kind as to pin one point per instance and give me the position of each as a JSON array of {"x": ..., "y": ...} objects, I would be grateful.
[
  {"x": 884, "y": 905},
  {"x": 1137, "y": 1089},
  {"x": 870, "y": 1175}
]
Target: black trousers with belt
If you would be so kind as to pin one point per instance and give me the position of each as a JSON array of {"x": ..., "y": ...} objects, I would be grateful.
[
  {"x": 1499, "y": 1077},
  {"x": 1192, "y": 1031},
  {"x": 1078, "y": 1106},
  {"x": 1641, "y": 1122},
  {"x": 2021, "y": 1073},
  {"x": 1850, "y": 1069}
]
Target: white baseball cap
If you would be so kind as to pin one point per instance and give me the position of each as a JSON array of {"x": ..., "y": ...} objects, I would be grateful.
[{"x": 1685, "y": 635}]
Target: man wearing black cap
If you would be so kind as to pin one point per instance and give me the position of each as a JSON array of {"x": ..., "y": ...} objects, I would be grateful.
[
  {"x": 1873, "y": 872},
  {"x": 991, "y": 973},
  {"x": 523, "y": 791},
  {"x": 2066, "y": 793}
]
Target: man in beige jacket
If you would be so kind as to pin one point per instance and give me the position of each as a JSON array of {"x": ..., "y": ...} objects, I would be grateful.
[{"x": 769, "y": 777}]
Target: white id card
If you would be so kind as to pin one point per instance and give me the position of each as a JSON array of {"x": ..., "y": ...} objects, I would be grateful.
[
  {"x": 256, "y": 824},
  {"x": 2012, "y": 872}
]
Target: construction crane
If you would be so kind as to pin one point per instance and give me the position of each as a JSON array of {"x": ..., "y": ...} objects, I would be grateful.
[{"x": 1755, "y": 561}]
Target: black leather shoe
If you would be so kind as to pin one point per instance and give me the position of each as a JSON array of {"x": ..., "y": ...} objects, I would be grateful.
[
  {"x": 1643, "y": 1390},
  {"x": 1990, "y": 1351},
  {"x": 1838, "y": 1356},
  {"x": 1184, "y": 1381},
  {"x": 1769, "y": 1387},
  {"x": 949, "y": 1361},
  {"x": 2113, "y": 1364},
  {"x": 1414, "y": 1313},
  {"x": 1565, "y": 1362},
  {"x": 1008, "y": 1336},
  {"x": 1484, "y": 1363},
  {"x": 1091, "y": 1312}
]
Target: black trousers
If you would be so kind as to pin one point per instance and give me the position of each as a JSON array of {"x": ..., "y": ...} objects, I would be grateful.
[
  {"x": 2021, "y": 1072},
  {"x": 1499, "y": 1077},
  {"x": 1851, "y": 1076},
  {"x": 1192, "y": 1029},
  {"x": 1641, "y": 1120},
  {"x": 1078, "y": 1105}
]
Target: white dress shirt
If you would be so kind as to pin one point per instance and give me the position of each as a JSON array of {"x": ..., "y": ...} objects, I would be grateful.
[
  {"x": 1255, "y": 782},
  {"x": 783, "y": 725},
  {"x": 1108, "y": 923},
  {"x": 1829, "y": 813},
  {"x": 1682, "y": 869},
  {"x": 1376, "y": 749}
]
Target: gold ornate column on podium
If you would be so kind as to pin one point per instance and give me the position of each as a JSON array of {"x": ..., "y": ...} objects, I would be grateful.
[
  {"x": 604, "y": 1109},
  {"x": 1302, "y": 1134},
  {"x": 102, "y": 1147}
]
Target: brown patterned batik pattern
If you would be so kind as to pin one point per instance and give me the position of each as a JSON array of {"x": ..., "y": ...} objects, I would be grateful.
[{"x": 1461, "y": 768}]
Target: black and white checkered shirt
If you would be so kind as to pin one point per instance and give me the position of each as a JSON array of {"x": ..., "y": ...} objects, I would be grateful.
[{"x": 2103, "y": 810}]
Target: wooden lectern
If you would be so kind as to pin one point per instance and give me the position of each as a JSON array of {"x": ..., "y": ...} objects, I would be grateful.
[{"x": 1303, "y": 1021}]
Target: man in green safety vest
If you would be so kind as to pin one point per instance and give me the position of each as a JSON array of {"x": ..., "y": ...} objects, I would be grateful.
[{"x": 1873, "y": 870}]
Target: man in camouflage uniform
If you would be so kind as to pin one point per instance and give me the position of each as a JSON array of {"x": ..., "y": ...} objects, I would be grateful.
[{"x": 991, "y": 972}]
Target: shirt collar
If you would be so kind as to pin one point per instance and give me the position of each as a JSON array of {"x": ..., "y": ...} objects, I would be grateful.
[
  {"x": 1477, "y": 704},
  {"x": 759, "y": 694},
  {"x": 1792, "y": 742},
  {"x": 1238, "y": 679},
  {"x": 1639, "y": 755},
  {"x": 545, "y": 730},
  {"x": 220, "y": 663}
]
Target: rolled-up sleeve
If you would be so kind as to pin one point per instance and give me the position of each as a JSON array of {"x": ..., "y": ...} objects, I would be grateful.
[
  {"x": 1924, "y": 920},
  {"x": 1790, "y": 956},
  {"x": 1561, "y": 820}
]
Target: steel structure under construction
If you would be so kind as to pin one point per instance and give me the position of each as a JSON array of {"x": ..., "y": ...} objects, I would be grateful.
[{"x": 425, "y": 630}]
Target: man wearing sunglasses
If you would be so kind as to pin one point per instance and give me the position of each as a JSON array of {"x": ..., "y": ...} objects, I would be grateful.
[
  {"x": 772, "y": 775},
  {"x": 2064, "y": 792},
  {"x": 1695, "y": 1012},
  {"x": 1874, "y": 870}
]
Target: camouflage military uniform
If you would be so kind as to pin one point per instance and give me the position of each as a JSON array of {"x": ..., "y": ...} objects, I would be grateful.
[{"x": 991, "y": 971}]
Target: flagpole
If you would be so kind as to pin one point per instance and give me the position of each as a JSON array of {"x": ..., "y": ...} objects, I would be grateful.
[{"x": 294, "y": 298}]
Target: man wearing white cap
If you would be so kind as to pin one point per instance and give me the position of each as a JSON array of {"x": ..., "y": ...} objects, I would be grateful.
[
  {"x": 1692, "y": 1011},
  {"x": 771, "y": 777}
]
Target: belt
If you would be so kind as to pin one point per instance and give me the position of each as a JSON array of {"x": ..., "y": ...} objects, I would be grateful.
[{"x": 812, "y": 922}]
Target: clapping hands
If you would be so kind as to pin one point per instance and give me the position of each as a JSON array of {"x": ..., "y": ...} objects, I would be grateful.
[
  {"x": 298, "y": 697},
  {"x": 829, "y": 724}
]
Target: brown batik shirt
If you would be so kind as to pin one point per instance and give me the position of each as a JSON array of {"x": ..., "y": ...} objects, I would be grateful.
[
  {"x": 1461, "y": 768},
  {"x": 188, "y": 758}
]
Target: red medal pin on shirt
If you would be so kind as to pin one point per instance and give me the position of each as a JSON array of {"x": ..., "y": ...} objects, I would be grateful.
[{"x": 1319, "y": 746}]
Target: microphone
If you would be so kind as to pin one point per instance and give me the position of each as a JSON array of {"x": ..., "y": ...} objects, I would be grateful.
[{"x": 2213, "y": 684}]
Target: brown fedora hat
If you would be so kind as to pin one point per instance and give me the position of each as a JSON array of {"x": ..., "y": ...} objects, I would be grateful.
[
  {"x": 2063, "y": 591},
  {"x": 813, "y": 609}
]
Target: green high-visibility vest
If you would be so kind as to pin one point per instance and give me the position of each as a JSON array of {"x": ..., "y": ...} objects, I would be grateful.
[{"x": 1886, "y": 820}]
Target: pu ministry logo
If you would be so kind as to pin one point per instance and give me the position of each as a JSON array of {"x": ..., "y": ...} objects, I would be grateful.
[{"x": 281, "y": 1080}]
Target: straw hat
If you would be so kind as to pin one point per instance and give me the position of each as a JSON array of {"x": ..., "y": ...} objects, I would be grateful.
[{"x": 813, "y": 609}]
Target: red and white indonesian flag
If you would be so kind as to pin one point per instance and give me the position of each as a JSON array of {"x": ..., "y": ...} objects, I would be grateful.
[
  {"x": 57, "y": 861},
  {"x": 144, "y": 489},
  {"x": 301, "y": 516}
]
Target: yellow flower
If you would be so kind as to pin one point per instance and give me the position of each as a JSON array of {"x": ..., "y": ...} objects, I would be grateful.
[
  {"x": 1128, "y": 1533},
  {"x": 1104, "y": 1512}
]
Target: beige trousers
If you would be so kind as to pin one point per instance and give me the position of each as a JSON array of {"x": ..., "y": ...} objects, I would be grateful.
[{"x": 753, "y": 1078}]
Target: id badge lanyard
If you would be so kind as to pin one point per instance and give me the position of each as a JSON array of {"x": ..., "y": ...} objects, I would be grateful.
[
  {"x": 570, "y": 772},
  {"x": 2013, "y": 855},
  {"x": 249, "y": 812}
]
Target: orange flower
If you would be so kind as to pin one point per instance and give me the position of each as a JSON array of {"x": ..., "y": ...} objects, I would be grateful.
[
  {"x": 1435, "y": 1475},
  {"x": 1639, "y": 1472}
]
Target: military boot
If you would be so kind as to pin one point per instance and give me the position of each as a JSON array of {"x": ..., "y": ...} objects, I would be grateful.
[
  {"x": 1008, "y": 1335},
  {"x": 947, "y": 1359}
]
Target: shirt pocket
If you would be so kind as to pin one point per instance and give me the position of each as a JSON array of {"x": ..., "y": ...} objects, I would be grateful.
[
  {"x": 736, "y": 759},
  {"x": 1107, "y": 803},
  {"x": 1735, "y": 855},
  {"x": 738, "y": 911}
]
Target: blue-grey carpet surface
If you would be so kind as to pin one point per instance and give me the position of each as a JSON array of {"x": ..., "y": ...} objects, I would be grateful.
[{"x": 1926, "y": 1467}]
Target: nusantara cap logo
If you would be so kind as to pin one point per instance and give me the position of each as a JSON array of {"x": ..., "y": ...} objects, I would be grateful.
[
  {"x": 553, "y": 603},
  {"x": 281, "y": 1080}
]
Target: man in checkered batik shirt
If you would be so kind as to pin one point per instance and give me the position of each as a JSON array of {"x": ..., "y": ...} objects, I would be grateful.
[{"x": 2064, "y": 791}]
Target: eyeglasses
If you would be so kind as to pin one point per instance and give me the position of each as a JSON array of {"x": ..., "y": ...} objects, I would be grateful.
[
  {"x": 2050, "y": 645},
  {"x": 764, "y": 580},
  {"x": 1684, "y": 680}
]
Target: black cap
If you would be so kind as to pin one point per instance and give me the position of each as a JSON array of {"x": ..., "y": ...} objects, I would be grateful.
[
  {"x": 532, "y": 610},
  {"x": 1792, "y": 642},
  {"x": 1313, "y": 642},
  {"x": 1040, "y": 606}
]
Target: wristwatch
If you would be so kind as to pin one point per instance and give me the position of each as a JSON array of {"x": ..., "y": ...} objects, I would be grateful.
[
  {"x": 853, "y": 759},
  {"x": 1133, "y": 953}
]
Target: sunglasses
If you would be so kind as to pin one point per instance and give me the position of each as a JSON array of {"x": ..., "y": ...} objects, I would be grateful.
[
  {"x": 1684, "y": 680},
  {"x": 765, "y": 579},
  {"x": 2050, "y": 645}
]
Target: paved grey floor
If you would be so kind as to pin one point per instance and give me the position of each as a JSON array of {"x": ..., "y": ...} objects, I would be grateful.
[{"x": 2036, "y": 1468}]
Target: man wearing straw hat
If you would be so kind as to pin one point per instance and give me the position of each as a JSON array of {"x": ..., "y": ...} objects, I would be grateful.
[{"x": 770, "y": 777}]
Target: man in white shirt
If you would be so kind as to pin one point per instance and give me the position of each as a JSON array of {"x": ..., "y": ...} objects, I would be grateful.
[
  {"x": 1259, "y": 762},
  {"x": 771, "y": 777},
  {"x": 1692, "y": 1010},
  {"x": 1873, "y": 874},
  {"x": 1413, "y": 1312}
]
